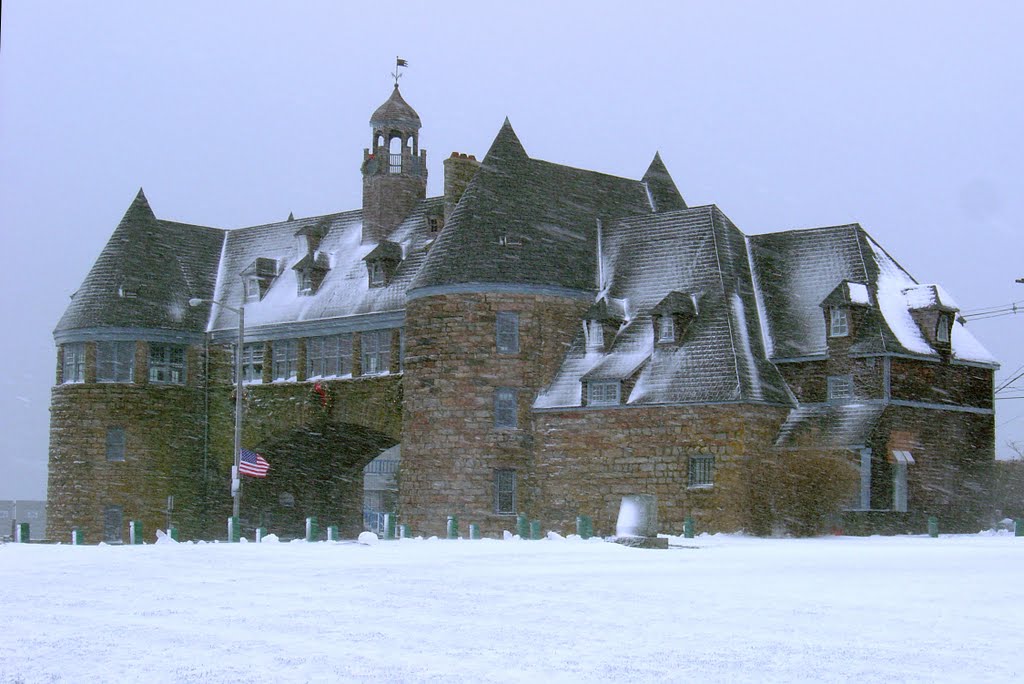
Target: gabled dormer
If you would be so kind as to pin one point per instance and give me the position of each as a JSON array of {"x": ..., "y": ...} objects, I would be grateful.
[
  {"x": 308, "y": 237},
  {"x": 310, "y": 272},
  {"x": 844, "y": 308},
  {"x": 600, "y": 325},
  {"x": 671, "y": 318},
  {"x": 933, "y": 310},
  {"x": 382, "y": 263},
  {"x": 257, "y": 278}
]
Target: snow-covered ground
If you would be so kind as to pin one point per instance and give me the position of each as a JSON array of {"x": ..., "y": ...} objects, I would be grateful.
[{"x": 716, "y": 608}]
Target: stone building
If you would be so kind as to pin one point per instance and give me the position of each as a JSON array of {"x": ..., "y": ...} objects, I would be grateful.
[{"x": 540, "y": 339}]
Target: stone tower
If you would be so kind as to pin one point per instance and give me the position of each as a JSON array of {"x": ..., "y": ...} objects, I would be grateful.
[{"x": 394, "y": 168}]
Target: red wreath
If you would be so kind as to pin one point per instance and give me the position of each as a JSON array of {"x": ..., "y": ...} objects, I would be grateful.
[{"x": 323, "y": 393}]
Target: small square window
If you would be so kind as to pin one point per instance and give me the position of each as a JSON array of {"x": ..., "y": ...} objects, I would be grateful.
[
  {"x": 435, "y": 224},
  {"x": 839, "y": 323},
  {"x": 115, "y": 361},
  {"x": 604, "y": 393},
  {"x": 505, "y": 492},
  {"x": 507, "y": 332},
  {"x": 702, "y": 471},
  {"x": 506, "y": 408},
  {"x": 840, "y": 387},
  {"x": 115, "y": 444}
]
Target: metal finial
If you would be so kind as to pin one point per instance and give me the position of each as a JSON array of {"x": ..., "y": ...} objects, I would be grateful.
[{"x": 399, "y": 63}]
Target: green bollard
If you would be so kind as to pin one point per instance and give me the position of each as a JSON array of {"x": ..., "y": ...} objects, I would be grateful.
[
  {"x": 453, "y": 527},
  {"x": 172, "y": 532},
  {"x": 21, "y": 533},
  {"x": 522, "y": 526},
  {"x": 535, "y": 529},
  {"x": 933, "y": 526},
  {"x": 584, "y": 526},
  {"x": 1018, "y": 527},
  {"x": 688, "y": 528},
  {"x": 404, "y": 532},
  {"x": 332, "y": 533},
  {"x": 135, "y": 532},
  {"x": 474, "y": 531},
  {"x": 389, "y": 525},
  {"x": 261, "y": 532},
  {"x": 76, "y": 536},
  {"x": 312, "y": 530},
  {"x": 234, "y": 530}
]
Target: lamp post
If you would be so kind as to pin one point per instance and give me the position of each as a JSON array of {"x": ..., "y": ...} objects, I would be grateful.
[{"x": 236, "y": 481}]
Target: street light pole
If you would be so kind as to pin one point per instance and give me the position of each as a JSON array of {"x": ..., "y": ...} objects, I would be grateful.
[{"x": 236, "y": 480}]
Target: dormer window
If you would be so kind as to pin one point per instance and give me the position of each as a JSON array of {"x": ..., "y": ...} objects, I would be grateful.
[
  {"x": 604, "y": 392},
  {"x": 672, "y": 316},
  {"x": 839, "y": 322},
  {"x": 382, "y": 263},
  {"x": 666, "y": 329},
  {"x": 435, "y": 223},
  {"x": 942, "y": 326},
  {"x": 595, "y": 336},
  {"x": 376, "y": 274},
  {"x": 305, "y": 283},
  {"x": 257, "y": 278}
]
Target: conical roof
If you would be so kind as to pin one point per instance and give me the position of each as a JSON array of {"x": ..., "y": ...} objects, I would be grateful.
[{"x": 395, "y": 112}]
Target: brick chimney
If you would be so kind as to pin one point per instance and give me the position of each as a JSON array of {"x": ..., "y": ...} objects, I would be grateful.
[{"x": 459, "y": 170}]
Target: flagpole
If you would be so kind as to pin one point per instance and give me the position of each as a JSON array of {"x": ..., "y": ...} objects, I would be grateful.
[{"x": 236, "y": 477}]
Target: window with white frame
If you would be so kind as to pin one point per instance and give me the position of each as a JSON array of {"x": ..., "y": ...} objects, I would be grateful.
[
  {"x": 73, "y": 367},
  {"x": 701, "y": 471},
  {"x": 507, "y": 332},
  {"x": 252, "y": 289},
  {"x": 840, "y": 387},
  {"x": 377, "y": 275},
  {"x": 286, "y": 359},
  {"x": 115, "y": 444},
  {"x": 329, "y": 356},
  {"x": 505, "y": 491},
  {"x": 115, "y": 361},
  {"x": 376, "y": 351},
  {"x": 506, "y": 408},
  {"x": 252, "y": 362},
  {"x": 167, "y": 364},
  {"x": 839, "y": 323},
  {"x": 595, "y": 335},
  {"x": 603, "y": 392},
  {"x": 666, "y": 329}
]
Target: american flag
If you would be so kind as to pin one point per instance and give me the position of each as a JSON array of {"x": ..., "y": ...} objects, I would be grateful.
[{"x": 253, "y": 464}]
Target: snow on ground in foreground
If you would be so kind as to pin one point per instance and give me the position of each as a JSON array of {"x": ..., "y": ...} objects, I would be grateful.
[{"x": 725, "y": 609}]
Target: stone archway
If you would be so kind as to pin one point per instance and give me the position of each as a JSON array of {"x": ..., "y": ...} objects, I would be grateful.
[{"x": 315, "y": 470}]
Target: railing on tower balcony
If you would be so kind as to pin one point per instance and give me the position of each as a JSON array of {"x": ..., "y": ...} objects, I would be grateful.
[{"x": 396, "y": 163}]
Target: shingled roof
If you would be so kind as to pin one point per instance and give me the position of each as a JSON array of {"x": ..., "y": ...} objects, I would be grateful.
[
  {"x": 795, "y": 271},
  {"x": 721, "y": 358},
  {"x": 145, "y": 276},
  {"x": 527, "y": 222}
]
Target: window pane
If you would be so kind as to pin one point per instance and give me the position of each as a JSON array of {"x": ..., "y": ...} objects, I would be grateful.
[
  {"x": 702, "y": 471},
  {"x": 505, "y": 492},
  {"x": 115, "y": 444},
  {"x": 505, "y": 408},
  {"x": 840, "y": 387},
  {"x": 376, "y": 352},
  {"x": 507, "y": 332},
  {"x": 286, "y": 359},
  {"x": 839, "y": 324},
  {"x": 603, "y": 392},
  {"x": 74, "y": 363},
  {"x": 666, "y": 329},
  {"x": 166, "y": 363}
]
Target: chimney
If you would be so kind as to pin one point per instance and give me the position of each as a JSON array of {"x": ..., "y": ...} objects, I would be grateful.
[{"x": 459, "y": 170}]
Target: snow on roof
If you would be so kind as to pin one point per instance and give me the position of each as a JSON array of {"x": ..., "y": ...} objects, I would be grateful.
[
  {"x": 858, "y": 293},
  {"x": 927, "y": 296}
]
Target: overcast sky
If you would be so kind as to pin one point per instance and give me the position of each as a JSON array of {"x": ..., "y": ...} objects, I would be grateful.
[{"x": 904, "y": 117}]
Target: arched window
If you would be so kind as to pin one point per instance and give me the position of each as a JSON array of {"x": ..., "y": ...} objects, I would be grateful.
[{"x": 395, "y": 148}]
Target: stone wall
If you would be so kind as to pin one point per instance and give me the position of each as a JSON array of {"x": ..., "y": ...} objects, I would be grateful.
[
  {"x": 588, "y": 459},
  {"x": 450, "y": 446}
]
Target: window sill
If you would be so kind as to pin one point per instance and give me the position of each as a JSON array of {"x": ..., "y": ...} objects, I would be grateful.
[{"x": 700, "y": 487}]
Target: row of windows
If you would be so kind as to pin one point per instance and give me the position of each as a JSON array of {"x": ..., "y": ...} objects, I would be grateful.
[
  {"x": 115, "y": 362},
  {"x": 327, "y": 356}
]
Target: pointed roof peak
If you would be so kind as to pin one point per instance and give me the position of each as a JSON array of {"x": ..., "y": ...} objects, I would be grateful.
[
  {"x": 291, "y": 216},
  {"x": 395, "y": 112},
  {"x": 506, "y": 145},
  {"x": 661, "y": 188},
  {"x": 139, "y": 208}
]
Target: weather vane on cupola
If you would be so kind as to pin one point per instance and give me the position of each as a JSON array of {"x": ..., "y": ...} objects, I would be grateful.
[{"x": 399, "y": 63}]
